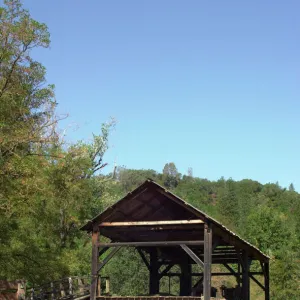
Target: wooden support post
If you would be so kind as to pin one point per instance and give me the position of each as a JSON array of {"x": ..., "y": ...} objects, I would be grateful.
[
  {"x": 107, "y": 289},
  {"x": 32, "y": 294},
  {"x": 52, "y": 291},
  {"x": 70, "y": 286},
  {"x": 98, "y": 287},
  {"x": 154, "y": 275},
  {"x": 95, "y": 258},
  {"x": 267, "y": 281},
  {"x": 80, "y": 285},
  {"x": 62, "y": 290},
  {"x": 245, "y": 277},
  {"x": 186, "y": 278},
  {"x": 207, "y": 261}
]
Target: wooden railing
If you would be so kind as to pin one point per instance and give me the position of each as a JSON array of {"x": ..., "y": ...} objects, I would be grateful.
[{"x": 66, "y": 288}]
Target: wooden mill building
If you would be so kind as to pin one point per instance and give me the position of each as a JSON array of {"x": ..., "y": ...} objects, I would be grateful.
[{"x": 172, "y": 232}]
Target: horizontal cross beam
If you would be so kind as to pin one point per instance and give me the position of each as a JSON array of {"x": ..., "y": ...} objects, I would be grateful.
[
  {"x": 150, "y": 223},
  {"x": 151, "y": 244},
  {"x": 212, "y": 274}
]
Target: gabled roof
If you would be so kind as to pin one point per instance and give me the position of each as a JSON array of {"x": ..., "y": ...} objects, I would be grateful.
[{"x": 152, "y": 202}]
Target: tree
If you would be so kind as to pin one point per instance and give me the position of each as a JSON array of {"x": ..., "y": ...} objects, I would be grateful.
[
  {"x": 131, "y": 179},
  {"x": 291, "y": 188},
  {"x": 170, "y": 175},
  {"x": 190, "y": 172},
  {"x": 229, "y": 204},
  {"x": 47, "y": 190},
  {"x": 285, "y": 274},
  {"x": 27, "y": 119},
  {"x": 27, "y": 129},
  {"x": 269, "y": 230}
]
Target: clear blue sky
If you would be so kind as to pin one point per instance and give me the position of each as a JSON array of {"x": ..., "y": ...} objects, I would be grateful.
[{"x": 212, "y": 85}]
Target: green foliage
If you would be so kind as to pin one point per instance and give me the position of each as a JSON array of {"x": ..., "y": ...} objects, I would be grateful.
[
  {"x": 128, "y": 273},
  {"x": 269, "y": 230},
  {"x": 170, "y": 175},
  {"x": 130, "y": 179},
  {"x": 285, "y": 276},
  {"x": 291, "y": 188}
]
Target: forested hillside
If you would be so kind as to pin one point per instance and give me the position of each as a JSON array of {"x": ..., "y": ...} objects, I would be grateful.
[{"x": 49, "y": 188}]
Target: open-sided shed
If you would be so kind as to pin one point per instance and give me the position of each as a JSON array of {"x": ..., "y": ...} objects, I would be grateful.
[{"x": 172, "y": 232}]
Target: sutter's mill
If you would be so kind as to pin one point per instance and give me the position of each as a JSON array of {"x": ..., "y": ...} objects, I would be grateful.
[{"x": 167, "y": 231}]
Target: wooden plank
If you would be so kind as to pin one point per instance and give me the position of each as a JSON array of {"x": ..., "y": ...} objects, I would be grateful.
[
  {"x": 151, "y": 244},
  {"x": 192, "y": 255},
  {"x": 150, "y": 223},
  {"x": 133, "y": 229}
]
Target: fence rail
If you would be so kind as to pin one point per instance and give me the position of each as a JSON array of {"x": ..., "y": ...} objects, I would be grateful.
[{"x": 66, "y": 288}]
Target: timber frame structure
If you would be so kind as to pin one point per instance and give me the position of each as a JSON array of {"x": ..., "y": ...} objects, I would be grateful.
[{"x": 172, "y": 232}]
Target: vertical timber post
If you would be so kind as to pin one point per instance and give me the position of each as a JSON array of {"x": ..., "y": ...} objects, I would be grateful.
[
  {"x": 245, "y": 278},
  {"x": 153, "y": 276},
  {"x": 185, "y": 277},
  {"x": 267, "y": 281},
  {"x": 207, "y": 261},
  {"x": 95, "y": 258},
  {"x": 52, "y": 291}
]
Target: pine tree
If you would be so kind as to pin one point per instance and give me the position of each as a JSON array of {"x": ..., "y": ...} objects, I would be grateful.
[{"x": 291, "y": 188}]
